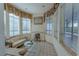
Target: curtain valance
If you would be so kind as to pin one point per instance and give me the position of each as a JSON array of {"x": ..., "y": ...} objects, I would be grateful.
[{"x": 11, "y": 9}]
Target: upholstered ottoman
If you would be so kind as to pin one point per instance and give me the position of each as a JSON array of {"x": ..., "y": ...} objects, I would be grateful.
[{"x": 22, "y": 51}]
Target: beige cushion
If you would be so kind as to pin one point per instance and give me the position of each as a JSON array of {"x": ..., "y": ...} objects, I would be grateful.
[
  {"x": 15, "y": 51},
  {"x": 19, "y": 39},
  {"x": 22, "y": 51},
  {"x": 12, "y": 51},
  {"x": 18, "y": 43}
]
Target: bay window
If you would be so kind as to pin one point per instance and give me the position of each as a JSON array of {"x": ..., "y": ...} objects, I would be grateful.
[
  {"x": 26, "y": 25},
  {"x": 13, "y": 24}
]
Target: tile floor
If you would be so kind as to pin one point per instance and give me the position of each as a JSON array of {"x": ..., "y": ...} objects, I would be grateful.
[{"x": 42, "y": 49}]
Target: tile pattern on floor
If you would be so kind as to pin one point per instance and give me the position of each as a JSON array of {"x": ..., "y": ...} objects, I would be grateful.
[{"x": 42, "y": 49}]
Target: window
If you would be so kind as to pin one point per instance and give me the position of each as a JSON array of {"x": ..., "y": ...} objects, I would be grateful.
[
  {"x": 71, "y": 25},
  {"x": 13, "y": 24},
  {"x": 26, "y": 25},
  {"x": 49, "y": 26}
]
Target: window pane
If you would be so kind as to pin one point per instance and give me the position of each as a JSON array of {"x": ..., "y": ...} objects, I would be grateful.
[
  {"x": 68, "y": 25},
  {"x": 49, "y": 26},
  {"x": 75, "y": 25},
  {"x": 71, "y": 25},
  {"x": 26, "y": 25},
  {"x": 14, "y": 24}
]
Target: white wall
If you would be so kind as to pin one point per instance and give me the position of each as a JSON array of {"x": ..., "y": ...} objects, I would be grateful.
[
  {"x": 37, "y": 15},
  {"x": 6, "y": 19},
  {"x": 37, "y": 29},
  {"x": 2, "y": 39}
]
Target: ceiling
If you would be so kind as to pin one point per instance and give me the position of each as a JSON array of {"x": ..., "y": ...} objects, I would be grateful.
[{"x": 36, "y": 9}]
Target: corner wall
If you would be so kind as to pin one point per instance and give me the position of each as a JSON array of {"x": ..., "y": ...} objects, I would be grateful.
[{"x": 37, "y": 28}]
